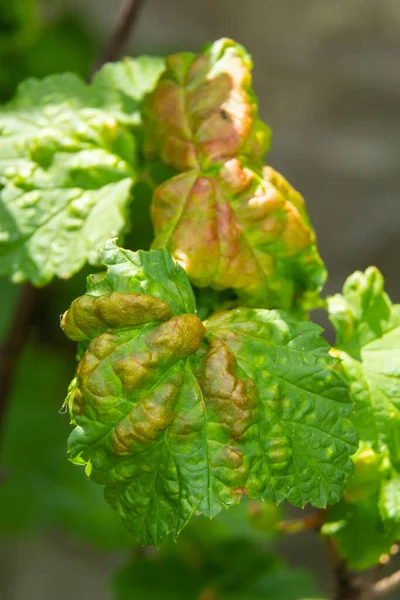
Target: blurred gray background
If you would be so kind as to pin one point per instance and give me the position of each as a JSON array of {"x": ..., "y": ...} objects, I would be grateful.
[{"x": 327, "y": 73}]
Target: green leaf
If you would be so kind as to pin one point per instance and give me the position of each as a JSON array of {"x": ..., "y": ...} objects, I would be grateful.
[
  {"x": 360, "y": 514},
  {"x": 124, "y": 85},
  {"x": 66, "y": 170},
  {"x": 175, "y": 417},
  {"x": 67, "y": 164},
  {"x": 153, "y": 273},
  {"x": 368, "y": 338},
  {"x": 368, "y": 342},
  {"x": 256, "y": 230},
  {"x": 305, "y": 437},
  {"x": 232, "y": 570}
]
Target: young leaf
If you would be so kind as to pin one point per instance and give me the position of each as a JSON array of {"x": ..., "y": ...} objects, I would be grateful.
[
  {"x": 362, "y": 512},
  {"x": 123, "y": 85},
  {"x": 257, "y": 233},
  {"x": 204, "y": 111},
  {"x": 176, "y": 417},
  {"x": 67, "y": 164},
  {"x": 152, "y": 273},
  {"x": 202, "y": 119},
  {"x": 368, "y": 341}
]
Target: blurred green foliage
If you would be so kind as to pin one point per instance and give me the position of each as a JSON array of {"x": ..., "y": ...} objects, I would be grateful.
[
  {"x": 212, "y": 564},
  {"x": 35, "y": 42},
  {"x": 41, "y": 490}
]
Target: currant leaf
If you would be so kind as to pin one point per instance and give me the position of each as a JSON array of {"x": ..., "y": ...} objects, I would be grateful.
[
  {"x": 202, "y": 120},
  {"x": 305, "y": 437},
  {"x": 123, "y": 85},
  {"x": 152, "y": 273},
  {"x": 368, "y": 341},
  {"x": 204, "y": 111},
  {"x": 174, "y": 416},
  {"x": 257, "y": 233},
  {"x": 67, "y": 165}
]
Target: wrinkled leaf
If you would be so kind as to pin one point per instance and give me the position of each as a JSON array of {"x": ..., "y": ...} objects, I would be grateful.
[
  {"x": 368, "y": 341},
  {"x": 151, "y": 273},
  {"x": 305, "y": 439},
  {"x": 227, "y": 221},
  {"x": 67, "y": 164},
  {"x": 236, "y": 229},
  {"x": 204, "y": 111},
  {"x": 176, "y": 417},
  {"x": 67, "y": 171}
]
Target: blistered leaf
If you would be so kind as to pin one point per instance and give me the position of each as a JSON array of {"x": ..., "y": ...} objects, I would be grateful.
[
  {"x": 227, "y": 221},
  {"x": 305, "y": 438},
  {"x": 237, "y": 229},
  {"x": 204, "y": 111},
  {"x": 66, "y": 170},
  {"x": 67, "y": 164},
  {"x": 368, "y": 342},
  {"x": 176, "y": 417}
]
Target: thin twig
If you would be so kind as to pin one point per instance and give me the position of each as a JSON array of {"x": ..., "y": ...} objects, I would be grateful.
[
  {"x": 11, "y": 348},
  {"x": 387, "y": 585},
  {"x": 348, "y": 586},
  {"x": 126, "y": 19},
  {"x": 308, "y": 523}
]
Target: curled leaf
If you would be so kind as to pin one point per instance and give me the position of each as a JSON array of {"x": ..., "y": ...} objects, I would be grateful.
[
  {"x": 174, "y": 416},
  {"x": 90, "y": 316},
  {"x": 239, "y": 229},
  {"x": 203, "y": 110}
]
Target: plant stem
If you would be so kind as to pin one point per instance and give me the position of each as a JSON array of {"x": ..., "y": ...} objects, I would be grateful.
[
  {"x": 387, "y": 585},
  {"x": 12, "y": 347},
  {"x": 309, "y": 523},
  {"x": 126, "y": 19},
  {"x": 348, "y": 586}
]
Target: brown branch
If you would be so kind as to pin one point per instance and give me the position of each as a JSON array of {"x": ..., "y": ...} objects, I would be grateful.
[
  {"x": 309, "y": 523},
  {"x": 11, "y": 348},
  {"x": 387, "y": 585},
  {"x": 348, "y": 585},
  {"x": 126, "y": 19}
]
